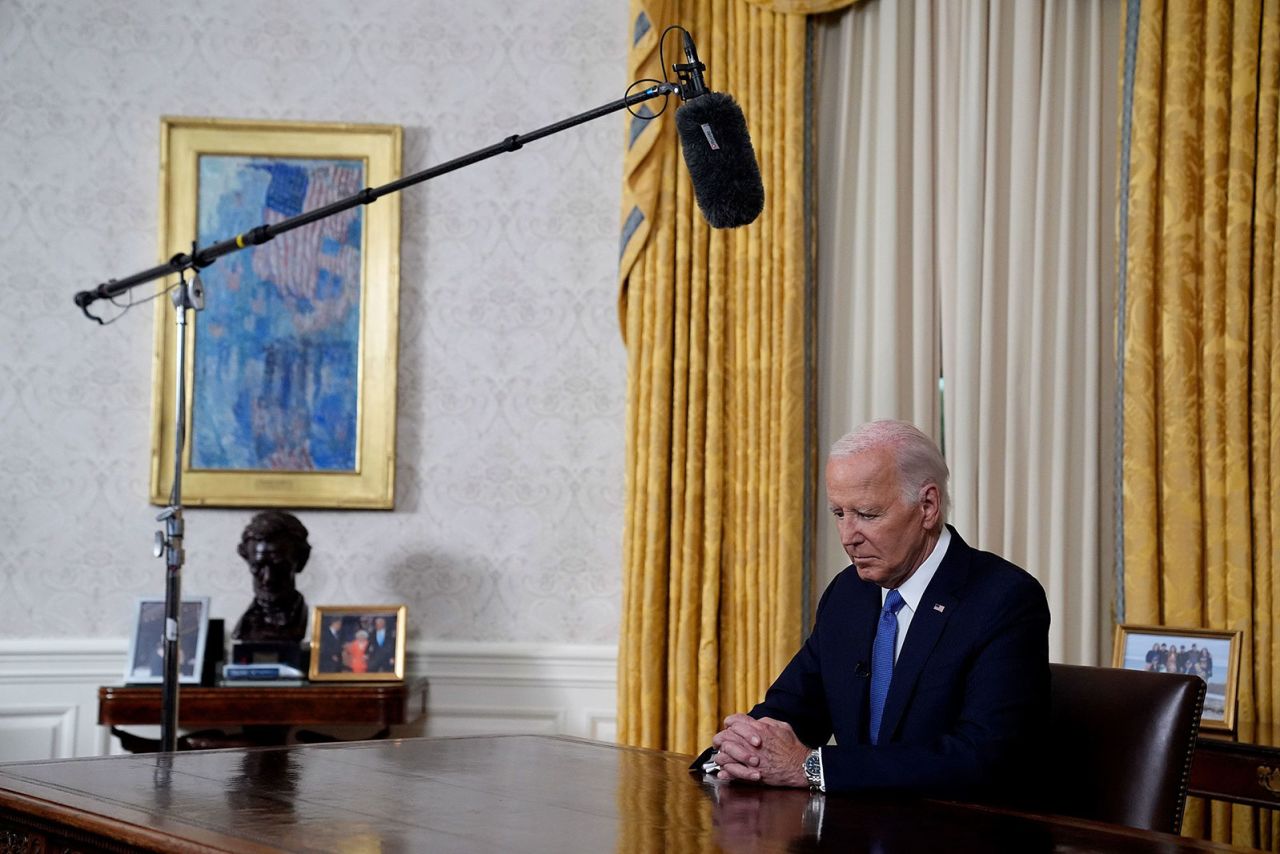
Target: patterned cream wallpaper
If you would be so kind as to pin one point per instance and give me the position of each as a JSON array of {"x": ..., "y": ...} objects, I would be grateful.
[{"x": 512, "y": 370}]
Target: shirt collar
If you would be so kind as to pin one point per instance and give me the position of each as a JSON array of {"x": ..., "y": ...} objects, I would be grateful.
[{"x": 912, "y": 590}]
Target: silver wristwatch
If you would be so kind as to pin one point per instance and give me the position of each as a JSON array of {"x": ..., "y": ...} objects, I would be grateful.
[{"x": 813, "y": 769}]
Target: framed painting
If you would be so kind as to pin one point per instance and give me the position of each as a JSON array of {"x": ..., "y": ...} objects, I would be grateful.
[
  {"x": 291, "y": 373},
  {"x": 146, "y": 643},
  {"x": 357, "y": 642},
  {"x": 1213, "y": 656}
]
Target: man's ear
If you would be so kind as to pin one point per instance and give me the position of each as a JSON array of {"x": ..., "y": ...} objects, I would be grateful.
[{"x": 930, "y": 506}]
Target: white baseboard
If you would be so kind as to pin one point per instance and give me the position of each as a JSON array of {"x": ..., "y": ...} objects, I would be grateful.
[{"x": 49, "y": 692}]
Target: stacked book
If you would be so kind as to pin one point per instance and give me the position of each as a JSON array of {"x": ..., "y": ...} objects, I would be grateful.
[{"x": 262, "y": 675}]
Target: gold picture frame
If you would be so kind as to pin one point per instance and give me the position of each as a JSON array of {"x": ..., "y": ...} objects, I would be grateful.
[
  {"x": 1212, "y": 655},
  {"x": 346, "y": 645},
  {"x": 292, "y": 369}
]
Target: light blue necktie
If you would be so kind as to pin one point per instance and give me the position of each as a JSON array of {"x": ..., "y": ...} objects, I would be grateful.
[{"x": 882, "y": 659}]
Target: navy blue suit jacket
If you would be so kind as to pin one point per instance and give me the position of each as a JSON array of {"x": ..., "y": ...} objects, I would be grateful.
[{"x": 970, "y": 686}]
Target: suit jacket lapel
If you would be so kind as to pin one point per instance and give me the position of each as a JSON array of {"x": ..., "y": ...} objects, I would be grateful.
[{"x": 926, "y": 627}]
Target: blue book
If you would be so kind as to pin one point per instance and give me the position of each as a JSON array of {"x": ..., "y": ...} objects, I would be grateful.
[{"x": 263, "y": 672}]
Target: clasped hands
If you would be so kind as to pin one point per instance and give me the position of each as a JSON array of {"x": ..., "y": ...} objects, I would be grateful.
[{"x": 762, "y": 751}]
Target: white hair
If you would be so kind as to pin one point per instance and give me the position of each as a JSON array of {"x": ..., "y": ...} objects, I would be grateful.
[{"x": 918, "y": 459}]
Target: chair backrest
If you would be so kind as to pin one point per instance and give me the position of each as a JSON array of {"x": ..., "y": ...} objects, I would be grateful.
[{"x": 1120, "y": 743}]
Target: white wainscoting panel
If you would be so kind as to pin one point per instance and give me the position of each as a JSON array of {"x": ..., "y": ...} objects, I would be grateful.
[
  {"x": 37, "y": 732},
  {"x": 49, "y": 696},
  {"x": 49, "y": 692},
  {"x": 504, "y": 688}
]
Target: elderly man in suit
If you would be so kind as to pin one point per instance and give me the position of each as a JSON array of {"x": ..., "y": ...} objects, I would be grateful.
[
  {"x": 382, "y": 646},
  {"x": 928, "y": 661}
]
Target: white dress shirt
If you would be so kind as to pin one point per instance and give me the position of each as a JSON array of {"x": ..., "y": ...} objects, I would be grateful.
[{"x": 912, "y": 590}]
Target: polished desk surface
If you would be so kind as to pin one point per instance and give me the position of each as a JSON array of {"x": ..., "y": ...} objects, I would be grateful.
[
  {"x": 1243, "y": 767},
  {"x": 491, "y": 794}
]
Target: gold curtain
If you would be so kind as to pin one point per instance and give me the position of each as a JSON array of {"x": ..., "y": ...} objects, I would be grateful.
[
  {"x": 717, "y": 453},
  {"x": 1201, "y": 438},
  {"x": 802, "y": 7}
]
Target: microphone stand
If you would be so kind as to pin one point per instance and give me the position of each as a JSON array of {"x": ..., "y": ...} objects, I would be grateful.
[
  {"x": 186, "y": 298},
  {"x": 189, "y": 296}
]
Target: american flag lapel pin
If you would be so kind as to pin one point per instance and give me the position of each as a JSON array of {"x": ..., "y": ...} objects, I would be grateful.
[{"x": 939, "y": 607}]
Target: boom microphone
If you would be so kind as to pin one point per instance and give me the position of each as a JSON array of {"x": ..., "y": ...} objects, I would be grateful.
[{"x": 717, "y": 149}]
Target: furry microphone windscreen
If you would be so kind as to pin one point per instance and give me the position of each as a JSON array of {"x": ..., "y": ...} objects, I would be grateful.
[{"x": 721, "y": 162}]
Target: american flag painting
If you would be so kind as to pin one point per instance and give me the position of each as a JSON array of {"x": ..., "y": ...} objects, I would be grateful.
[{"x": 276, "y": 366}]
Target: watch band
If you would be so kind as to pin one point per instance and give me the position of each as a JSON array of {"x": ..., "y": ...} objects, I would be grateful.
[{"x": 813, "y": 769}]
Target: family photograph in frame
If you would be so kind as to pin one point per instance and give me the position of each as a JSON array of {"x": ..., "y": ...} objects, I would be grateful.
[
  {"x": 292, "y": 374},
  {"x": 357, "y": 642},
  {"x": 146, "y": 644},
  {"x": 1214, "y": 656}
]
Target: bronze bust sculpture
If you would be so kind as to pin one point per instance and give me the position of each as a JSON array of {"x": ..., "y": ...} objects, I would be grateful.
[{"x": 275, "y": 546}]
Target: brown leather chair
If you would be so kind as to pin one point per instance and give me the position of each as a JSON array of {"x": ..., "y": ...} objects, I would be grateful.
[{"x": 1120, "y": 745}]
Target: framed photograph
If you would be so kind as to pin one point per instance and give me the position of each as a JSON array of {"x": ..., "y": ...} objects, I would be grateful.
[
  {"x": 357, "y": 642},
  {"x": 292, "y": 362},
  {"x": 146, "y": 645},
  {"x": 1211, "y": 655}
]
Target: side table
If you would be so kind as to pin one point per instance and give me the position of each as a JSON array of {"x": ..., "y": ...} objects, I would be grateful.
[{"x": 266, "y": 715}]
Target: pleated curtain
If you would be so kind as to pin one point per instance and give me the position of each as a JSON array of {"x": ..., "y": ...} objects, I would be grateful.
[
  {"x": 966, "y": 269},
  {"x": 719, "y": 451},
  {"x": 1198, "y": 326}
]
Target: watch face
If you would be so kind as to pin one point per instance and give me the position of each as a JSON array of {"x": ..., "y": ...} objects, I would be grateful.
[{"x": 811, "y": 768}]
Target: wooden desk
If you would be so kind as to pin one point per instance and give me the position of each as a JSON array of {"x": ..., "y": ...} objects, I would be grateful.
[
  {"x": 1244, "y": 768},
  {"x": 266, "y": 715},
  {"x": 489, "y": 794}
]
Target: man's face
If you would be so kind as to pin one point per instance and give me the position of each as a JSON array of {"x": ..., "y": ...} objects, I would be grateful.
[
  {"x": 379, "y": 623},
  {"x": 885, "y": 537},
  {"x": 272, "y": 566}
]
